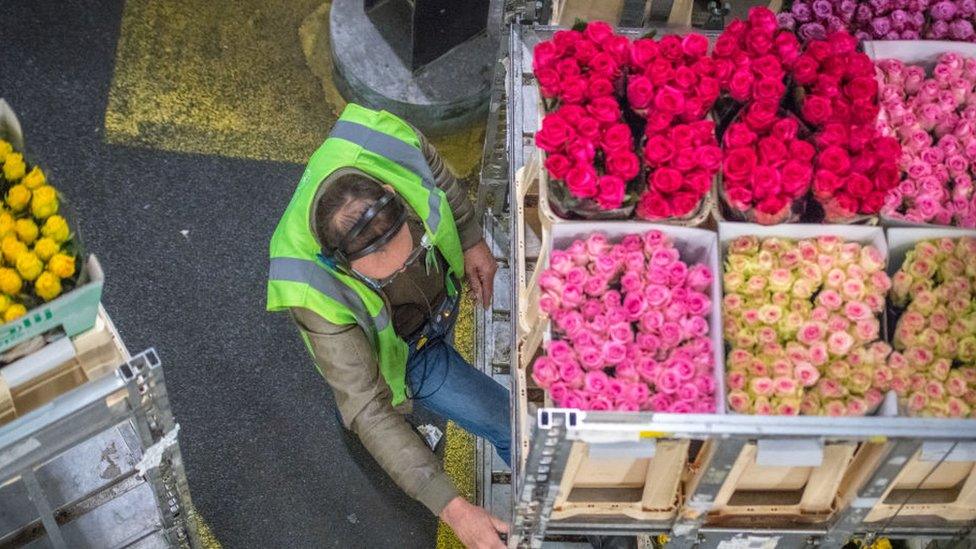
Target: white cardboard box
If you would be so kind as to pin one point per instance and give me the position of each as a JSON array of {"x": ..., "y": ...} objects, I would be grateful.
[
  {"x": 916, "y": 52},
  {"x": 694, "y": 245},
  {"x": 901, "y": 240}
]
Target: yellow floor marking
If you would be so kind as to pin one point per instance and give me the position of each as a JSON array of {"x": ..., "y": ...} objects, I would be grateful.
[
  {"x": 204, "y": 535},
  {"x": 217, "y": 77},
  {"x": 459, "y": 446}
]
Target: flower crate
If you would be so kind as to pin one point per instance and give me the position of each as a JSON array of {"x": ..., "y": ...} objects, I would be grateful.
[
  {"x": 59, "y": 367},
  {"x": 755, "y": 493},
  {"x": 811, "y": 492},
  {"x": 599, "y": 482}
]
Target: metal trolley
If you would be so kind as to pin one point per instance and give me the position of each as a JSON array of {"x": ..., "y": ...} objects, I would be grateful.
[
  {"x": 98, "y": 466},
  {"x": 887, "y": 446}
]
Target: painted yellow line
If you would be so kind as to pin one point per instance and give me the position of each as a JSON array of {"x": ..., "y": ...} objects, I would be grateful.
[
  {"x": 459, "y": 449},
  {"x": 205, "y": 536},
  {"x": 217, "y": 77}
]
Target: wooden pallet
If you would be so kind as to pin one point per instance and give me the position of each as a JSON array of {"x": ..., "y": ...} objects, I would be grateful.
[
  {"x": 638, "y": 488},
  {"x": 754, "y": 492},
  {"x": 923, "y": 491},
  {"x": 97, "y": 353}
]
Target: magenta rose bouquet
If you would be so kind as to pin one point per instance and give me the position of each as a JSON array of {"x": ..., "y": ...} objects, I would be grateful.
[
  {"x": 934, "y": 118},
  {"x": 630, "y": 327},
  {"x": 801, "y": 321},
  {"x": 933, "y": 370}
]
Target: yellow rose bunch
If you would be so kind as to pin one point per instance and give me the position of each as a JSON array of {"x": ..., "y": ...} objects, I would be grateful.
[
  {"x": 33, "y": 238},
  {"x": 14, "y": 167}
]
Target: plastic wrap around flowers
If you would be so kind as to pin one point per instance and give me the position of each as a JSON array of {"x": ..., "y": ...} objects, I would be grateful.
[
  {"x": 935, "y": 120},
  {"x": 801, "y": 319},
  {"x": 882, "y": 19},
  {"x": 630, "y": 327},
  {"x": 934, "y": 367}
]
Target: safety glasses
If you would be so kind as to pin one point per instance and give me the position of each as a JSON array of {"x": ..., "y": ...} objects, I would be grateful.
[{"x": 424, "y": 248}]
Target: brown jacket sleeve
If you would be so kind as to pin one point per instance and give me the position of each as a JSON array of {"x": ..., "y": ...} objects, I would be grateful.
[
  {"x": 466, "y": 219},
  {"x": 345, "y": 358}
]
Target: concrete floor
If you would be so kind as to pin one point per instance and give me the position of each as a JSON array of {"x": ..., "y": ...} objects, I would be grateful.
[{"x": 171, "y": 200}]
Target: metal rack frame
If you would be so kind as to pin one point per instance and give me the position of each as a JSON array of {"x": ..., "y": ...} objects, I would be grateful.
[
  {"x": 133, "y": 399},
  {"x": 535, "y": 486}
]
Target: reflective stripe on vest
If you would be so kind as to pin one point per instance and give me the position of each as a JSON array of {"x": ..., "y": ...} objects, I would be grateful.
[
  {"x": 398, "y": 151},
  {"x": 290, "y": 269}
]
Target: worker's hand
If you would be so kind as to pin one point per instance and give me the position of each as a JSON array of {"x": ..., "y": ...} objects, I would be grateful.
[
  {"x": 479, "y": 268},
  {"x": 475, "y": 527}
]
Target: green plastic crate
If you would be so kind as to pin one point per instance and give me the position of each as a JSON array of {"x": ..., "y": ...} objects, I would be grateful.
[{"x": 75, "y": 311}]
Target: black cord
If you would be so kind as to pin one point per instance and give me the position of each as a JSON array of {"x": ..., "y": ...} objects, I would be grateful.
[{"x": 439, "y": 341}]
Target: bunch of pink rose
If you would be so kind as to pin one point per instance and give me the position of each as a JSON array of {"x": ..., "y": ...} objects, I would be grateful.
[
  {"x": 801, "y": 320},
  {"x": 590, "y": 150},
  {"x": 753, "y": 57},
  {"x": 934, "y": 368},
  {"x": 673, "y": 85},
  {"x": 630, "y": 327},
  {"x": 579, "y": 66},
  {"x": 589, "y": 146},
  {"x": 682, "y": 162},
  {"x": 767, "y": 166},
  {"x": 671, "y": 80},
  {"x": 855, "y": 166},
  {"x": 935, "y": 120}
]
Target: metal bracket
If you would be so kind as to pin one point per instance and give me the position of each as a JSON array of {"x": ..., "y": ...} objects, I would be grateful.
[{"x": 543, "y": 472}]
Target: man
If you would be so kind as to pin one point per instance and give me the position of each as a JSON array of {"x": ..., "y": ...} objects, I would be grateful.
[{"x": 367, "y": 258}]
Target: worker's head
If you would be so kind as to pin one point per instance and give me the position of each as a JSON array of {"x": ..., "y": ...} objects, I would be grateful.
[{"x": 362, "y": 224}]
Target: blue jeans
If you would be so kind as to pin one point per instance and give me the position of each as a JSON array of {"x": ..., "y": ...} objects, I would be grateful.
[{"x": 441, "y": 380}]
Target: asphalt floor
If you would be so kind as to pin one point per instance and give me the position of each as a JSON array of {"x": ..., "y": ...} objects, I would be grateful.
[{"x": 177, "y": 192}]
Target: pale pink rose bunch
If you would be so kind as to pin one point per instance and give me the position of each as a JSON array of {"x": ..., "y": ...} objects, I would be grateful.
[
  {"x": 934, "y": 367},
  {"x": 801, "y": 321},
  {"x": 630, "y": 327},
  {"x": 935, "y": 120}
]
